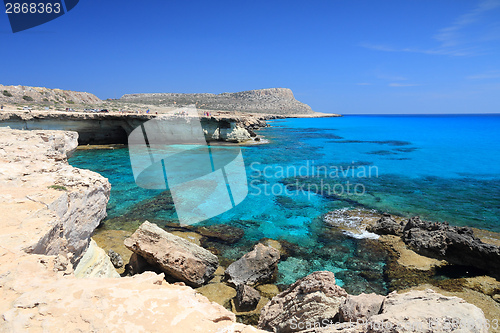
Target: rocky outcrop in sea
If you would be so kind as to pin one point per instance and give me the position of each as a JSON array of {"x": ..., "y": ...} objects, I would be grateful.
[{"x": 456, "y": 245}]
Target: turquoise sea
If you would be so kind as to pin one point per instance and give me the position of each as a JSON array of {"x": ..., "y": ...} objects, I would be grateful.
[{"x": 441, "y": 167}]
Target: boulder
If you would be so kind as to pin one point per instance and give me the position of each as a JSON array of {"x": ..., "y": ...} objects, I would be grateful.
[
  {"x": 427, "y": 311},
  {"x": 360, "y": 307},
  {"x": 247, "y": 298},
  {"x": 310, "y": 301},
  {"x": 457, "y": 245},
  {"x": 257, "y": 266},
  {"x": 176, "y": 256},
  {"x": 386, "y": 225}
]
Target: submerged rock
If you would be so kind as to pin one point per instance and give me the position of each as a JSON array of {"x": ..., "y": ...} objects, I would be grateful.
[
  {"x": 221, "y": 232},
  {"x": 457, "y": 245},
  {"x": 115, "y": 258},
  {"x": 176, "y": 256},
  {"x": 257, "y": 266},
  {"x": 219, "y": 293},
  {"x": 247, "y": 298},
  {"x": 309, "y": 300},
  {"x": 268, "y": 290}
]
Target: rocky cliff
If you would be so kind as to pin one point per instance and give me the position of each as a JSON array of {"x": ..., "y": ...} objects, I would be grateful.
[
  {"x": 111, "y": 128},
  {"x": 271, "y": 101},
  {"x": 49, "y": 209},
  {"x": 41, "y": 95}
]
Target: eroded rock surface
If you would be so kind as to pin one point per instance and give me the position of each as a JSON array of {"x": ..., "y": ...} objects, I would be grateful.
[
  {"x": 273, "y": 100},
  {"x": 427, "y": 311},
  {"x": 247, "y": 298},
  {"x": 257, "y": 266},
  {"x": 48, "y": 206},
  {"x": 176, "y": 256},
  {"x": 312, "y": 299},
  {"x": 386, "y": 225},
  {"x": 457, "y": 245}
]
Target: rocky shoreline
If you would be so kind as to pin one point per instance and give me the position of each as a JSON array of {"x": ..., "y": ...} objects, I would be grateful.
[{"x": 51, "y": 209}]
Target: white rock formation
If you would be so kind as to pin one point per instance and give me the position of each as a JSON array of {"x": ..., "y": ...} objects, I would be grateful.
[{"x": 95, "y": 263}]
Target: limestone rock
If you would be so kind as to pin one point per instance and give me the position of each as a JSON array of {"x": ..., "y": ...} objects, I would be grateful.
[
  {"x": 360, "y": 307},
  {"x": 115, "y": 258},
  {"x": 237, "y": 134},
  {"x": 45, "y": 95},
  {"x": 247, "y": 298},
  {"x": 95, "y": 263},
  {"x": 457, "y": 245},
  {"x": 38, "y": 292},
  {"x": 386, "y": 225},
  {"x": 257, "y": 266},
  {"x": 176, "y": 256},
  {"x": 273, "y": 101},
  {"x": 114, "y": 128},
  {"x": 427, "y": 311},
  {"x": 61, "y": 205},
  {"x": 312, "y": 299}
]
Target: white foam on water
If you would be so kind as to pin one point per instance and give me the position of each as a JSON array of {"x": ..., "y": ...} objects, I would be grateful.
[{"x": 362, "y": 235}]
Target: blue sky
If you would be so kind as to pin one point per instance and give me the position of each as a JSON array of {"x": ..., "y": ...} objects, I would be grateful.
[{"x": 403, "y": 56}]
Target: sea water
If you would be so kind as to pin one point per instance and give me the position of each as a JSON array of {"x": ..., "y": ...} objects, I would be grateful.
[{"x": 442, "y": 168}]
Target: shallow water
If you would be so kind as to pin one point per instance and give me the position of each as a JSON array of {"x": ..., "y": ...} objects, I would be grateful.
[{"x": 443, "y": 168}]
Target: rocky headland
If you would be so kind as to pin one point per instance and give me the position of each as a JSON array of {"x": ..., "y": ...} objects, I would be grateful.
[
  {"x": 226, "y": 118},
  {"x": 277, "y": 101}
]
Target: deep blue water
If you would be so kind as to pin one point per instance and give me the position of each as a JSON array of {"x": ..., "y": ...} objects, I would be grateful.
[{"x": 443, "y": 168}]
